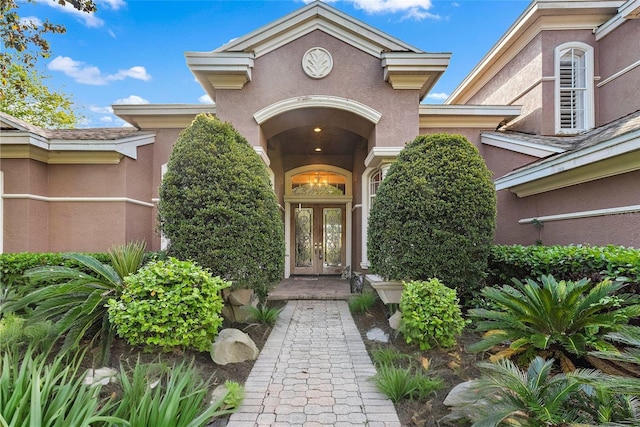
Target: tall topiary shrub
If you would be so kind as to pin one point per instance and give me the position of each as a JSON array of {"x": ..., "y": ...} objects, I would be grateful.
[
  {"x": 434, "y": 215},
  {"x": 217, "y": 207}
]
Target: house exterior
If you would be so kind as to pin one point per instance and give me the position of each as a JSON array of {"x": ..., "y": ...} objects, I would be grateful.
[{"x": 328, "y": 102}]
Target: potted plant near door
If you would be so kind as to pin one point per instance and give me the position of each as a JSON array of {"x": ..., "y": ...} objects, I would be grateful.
[{"x": 433, "y": 217}]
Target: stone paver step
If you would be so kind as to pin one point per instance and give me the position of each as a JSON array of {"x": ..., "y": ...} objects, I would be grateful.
[{"x": 313, "y": 371}]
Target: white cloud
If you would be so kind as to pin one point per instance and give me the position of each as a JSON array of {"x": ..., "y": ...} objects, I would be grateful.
[
  {"x": 88, "y": 19},
  {"x": 91, "y": 75},
  {"x": 205, "y": 99},
  {"x": 100, "y": 110},
  {"x": 131, "y": 99},
  {"x": 441, "y": 96},
  {"x": 112, "y": 4},
  {"x": 31, "y": 20},
  {"x": 411, "y": 9},
  {"x": 106, "y": 119}
]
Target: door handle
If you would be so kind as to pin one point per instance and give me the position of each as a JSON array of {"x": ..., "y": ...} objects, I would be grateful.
[{"x": 318, "y": 249}]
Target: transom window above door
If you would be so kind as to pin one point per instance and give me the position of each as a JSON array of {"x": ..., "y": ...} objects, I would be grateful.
[{"x": 318, "y": 183}]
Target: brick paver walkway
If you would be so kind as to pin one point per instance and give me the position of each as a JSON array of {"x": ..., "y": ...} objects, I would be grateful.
[{"x": 314, "y": 371}]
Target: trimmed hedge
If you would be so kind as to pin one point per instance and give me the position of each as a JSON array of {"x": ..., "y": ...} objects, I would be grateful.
[
  {"x": 217, "y": 207},
  {"x": 571, "y": 262},
  {"x": 434, "y": 215}
]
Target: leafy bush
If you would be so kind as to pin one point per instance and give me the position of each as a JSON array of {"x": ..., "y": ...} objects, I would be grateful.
[
  {"x": 561, "y": 317},
  {"x": 169, "y": 303},
  {"x": 217, "y": 207},
  {"x": 160, "y": 396},
  {"x": 571, "y": 262},
  {"x": 505, "y": 395},
  {"x": 363, "y": 302},
  {"x": 434, "y": 215},
  {"x": 430, "y": 314},
  {"x": 16, "y": 333}
]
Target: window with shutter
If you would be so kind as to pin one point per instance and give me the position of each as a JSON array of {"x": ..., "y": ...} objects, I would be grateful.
[{"x": 574, "y": 88}]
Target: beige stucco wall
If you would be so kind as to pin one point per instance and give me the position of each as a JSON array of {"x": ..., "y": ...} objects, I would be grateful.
[
  {"x": 616, "y": 52},
  {"x": 356, "y": 75}
]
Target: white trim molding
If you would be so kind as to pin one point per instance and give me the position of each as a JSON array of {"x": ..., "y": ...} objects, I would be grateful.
[
  {"x": 466, "y": 116},
  {"x": 317, "y": 101},
  {"x": 584, "y": 214},
  {"x": 78, "y": 199},
  {"x": 161, "y": 116},
  {"x": 629, "y": 10},
  {"x": 379, "y": 155},
  {"x": 619, "y": 73},
  {"x": 613, "y": 157},
  {"x": 518, "y": 146}
]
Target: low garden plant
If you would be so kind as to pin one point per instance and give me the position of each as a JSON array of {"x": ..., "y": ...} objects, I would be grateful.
[
  {"x": 264, "y": 314},
  {"x": 538, "y": 397},
  {"x": 404, "y": 383},
  {"x": 565, "y": 319},
  {"x": 431, "y": 315},
  {"x": 169, "y": 304},
  {"x": 170, "y": 396},
  {"x": 363, "y": 302}
]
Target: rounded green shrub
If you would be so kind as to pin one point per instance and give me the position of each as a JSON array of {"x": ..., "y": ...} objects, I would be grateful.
[
  {"x": 434, "y": 215},
  {"x": 430, "y": 314},
  {"x": 169, "y": 303},
  {"x": 217, "y": 207}
]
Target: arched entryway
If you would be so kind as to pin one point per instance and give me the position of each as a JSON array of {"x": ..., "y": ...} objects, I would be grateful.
[{"x": 317, "y": 147}]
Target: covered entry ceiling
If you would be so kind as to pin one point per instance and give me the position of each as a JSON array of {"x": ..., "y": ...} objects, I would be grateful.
[{"x": 295, "y": 132}]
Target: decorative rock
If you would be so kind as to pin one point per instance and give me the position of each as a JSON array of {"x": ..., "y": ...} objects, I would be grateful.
[
  {"x": 460, "y": 395},
  {"x": 240, "y": 297},
  {"x": 241, "y": 314},
  {"x": 102, "y": 376},
  {"x": 233, "y": 346},
  {"x": 394, "y": 321},
  {"x": 377, "y": 334},
  {"x": 218, "y": 393}
]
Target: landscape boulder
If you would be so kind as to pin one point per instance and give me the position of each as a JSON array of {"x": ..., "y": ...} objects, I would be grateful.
[{"x": 233, "y": 346}]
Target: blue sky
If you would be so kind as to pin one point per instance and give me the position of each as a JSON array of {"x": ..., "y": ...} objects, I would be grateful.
[{"x": 132, "y": 51}]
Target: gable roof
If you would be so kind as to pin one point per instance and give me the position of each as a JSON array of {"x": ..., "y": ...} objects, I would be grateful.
[
  {"x": 317, "y": 16},
  {"x": 230, "y": 66},
  {"x": 609, "y": 150}
]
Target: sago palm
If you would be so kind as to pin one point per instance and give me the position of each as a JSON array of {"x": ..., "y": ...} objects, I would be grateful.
[
  {"x": 563, "y": 317},
  {"x": 507, "y": 396},
  {"x": 76, "y": 300}
]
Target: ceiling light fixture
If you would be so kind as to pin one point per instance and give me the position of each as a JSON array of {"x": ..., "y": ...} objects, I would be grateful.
[
  {"x": 318, "y": 149},
  {"x": 317, "y": 129}
]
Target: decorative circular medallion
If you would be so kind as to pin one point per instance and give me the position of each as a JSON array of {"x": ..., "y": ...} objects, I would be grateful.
[{"x": 317, "y": 62}]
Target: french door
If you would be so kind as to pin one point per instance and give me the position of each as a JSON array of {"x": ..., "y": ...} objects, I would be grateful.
[{"x": 318, "y": 239}]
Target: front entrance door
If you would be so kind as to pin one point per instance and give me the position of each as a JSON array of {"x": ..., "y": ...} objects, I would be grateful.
[{"x": 318, "y": 239}]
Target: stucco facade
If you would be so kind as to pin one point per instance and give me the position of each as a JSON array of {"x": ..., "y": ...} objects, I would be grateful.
[{"x": 328, "y": 100}]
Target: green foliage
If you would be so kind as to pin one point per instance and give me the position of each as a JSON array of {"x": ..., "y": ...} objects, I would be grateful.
[
  {"x": 24, "y": 39},
  {"x": 505, "y": 395},
  {"x": 363, "y": 302},
  {"x": 434, "y": 214},
  {"x": 235, "y": 394},
  {"x": 563, "y": 317},
  {"x": 403, "y": 383},
  {"x": 27, "y": 97},
  {"x": 168, "y": 304},
  {"x": 218, "y": 209},
  {"x": 16, "y": 333},
  {"x": 563, "y": 262},
  {"x": 34, "y": 392},
  {"x": 388, "y": 356},
  {"x": 160, "y": 396},
  {"x": 75, "y": 302},
  {"x": 264, "y": 314},
  {"x": 430, "y": 314},
  {"x": 127, "y": 259}
]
